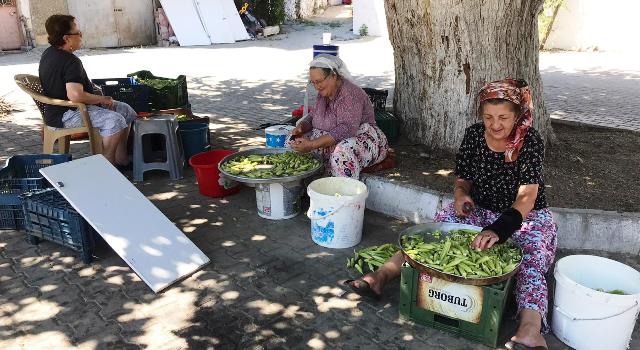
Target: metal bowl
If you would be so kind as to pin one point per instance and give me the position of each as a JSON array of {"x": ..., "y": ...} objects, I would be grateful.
[
  {"x": 444, "y": 228},
  {"x": 264, "y": 151}
]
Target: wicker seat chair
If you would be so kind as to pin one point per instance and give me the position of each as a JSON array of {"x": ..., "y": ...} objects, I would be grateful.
[{"x": 32, "y": 86}]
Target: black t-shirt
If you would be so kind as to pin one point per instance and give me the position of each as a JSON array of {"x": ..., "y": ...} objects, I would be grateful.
[
  {"x": 496, "y": 182},
  {"x": 57, "y": 68}
]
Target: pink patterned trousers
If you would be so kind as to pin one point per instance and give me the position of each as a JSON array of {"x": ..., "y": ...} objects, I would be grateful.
[
  {"x": 348, "y": 157},
  {"x": 537, "y": 238}
]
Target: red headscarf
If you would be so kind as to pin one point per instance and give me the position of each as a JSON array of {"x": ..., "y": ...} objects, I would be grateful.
[{"x": 516, "y": 91}]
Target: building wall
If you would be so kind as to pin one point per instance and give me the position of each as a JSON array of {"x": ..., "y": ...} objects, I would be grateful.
[
  {"x": 587, "y": 25},
  {"x": 297, "y": 9},
  {"x": 41, "y": 10}
]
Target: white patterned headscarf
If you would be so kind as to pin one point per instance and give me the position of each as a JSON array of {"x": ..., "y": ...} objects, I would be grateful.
[{"x": 331, "y": 62}]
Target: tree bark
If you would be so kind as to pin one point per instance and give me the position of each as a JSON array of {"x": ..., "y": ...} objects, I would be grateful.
[{"x": 446, "y": 50}]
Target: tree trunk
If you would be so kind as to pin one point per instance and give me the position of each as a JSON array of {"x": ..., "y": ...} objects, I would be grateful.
[{"x": 445, "y": 50}]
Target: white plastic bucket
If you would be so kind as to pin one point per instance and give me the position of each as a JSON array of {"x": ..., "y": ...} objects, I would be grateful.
[
  {"x": 279, "y": 201},
  {"x": 337, "y": 211},
  {"x": 277, "y": 135},
  {"x": 585, "y": 318}
]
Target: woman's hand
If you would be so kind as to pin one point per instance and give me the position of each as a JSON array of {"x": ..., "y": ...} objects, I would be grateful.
[
  {"x": 463, "y": 205},
  {"x": 298, "y": 131},
  {"x": 303, "y": 145},
  {"x": 484, "y": 240},
  {"x": 106, "y": 102}
]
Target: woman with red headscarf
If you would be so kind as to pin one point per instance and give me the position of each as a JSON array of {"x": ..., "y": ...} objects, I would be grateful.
[{"x": 499, "y": 187}]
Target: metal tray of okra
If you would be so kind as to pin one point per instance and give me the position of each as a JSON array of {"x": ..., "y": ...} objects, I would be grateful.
[
  {"x": 266, "y": 151},
  {"x": 444, "y": 227}
]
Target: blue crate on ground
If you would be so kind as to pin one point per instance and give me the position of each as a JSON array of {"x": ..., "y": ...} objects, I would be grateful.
[
  {"x": 47, "y": 215},
  {"x": 20, "y": 175},
  {"x": 125, "y": 90}
]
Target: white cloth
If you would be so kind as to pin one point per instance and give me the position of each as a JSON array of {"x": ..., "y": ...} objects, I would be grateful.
[
  {"x": 332, "y": 62},
  {"x": 325, "y": 61}
]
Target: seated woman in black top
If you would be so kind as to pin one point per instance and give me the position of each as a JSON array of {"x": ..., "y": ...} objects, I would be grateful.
[
  {"x": 499, "y": 187},
  {"x": 63, "y": 77}
]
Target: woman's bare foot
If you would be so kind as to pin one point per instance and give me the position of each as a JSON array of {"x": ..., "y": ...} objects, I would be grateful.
[
  {"x": 375, "y": 279},
  {"x": 524, "y": 336},
  {"x": 529, "y": 330},
  {"x": 389, "y": 271}
]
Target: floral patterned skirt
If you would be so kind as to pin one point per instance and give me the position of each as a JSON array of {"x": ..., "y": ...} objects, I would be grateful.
[
  {"x": 537, "y": 238},
  {"x": 350, "y": 156}
]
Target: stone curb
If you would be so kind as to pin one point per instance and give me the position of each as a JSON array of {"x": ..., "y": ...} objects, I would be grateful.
[{"x": 608, "y": 231}]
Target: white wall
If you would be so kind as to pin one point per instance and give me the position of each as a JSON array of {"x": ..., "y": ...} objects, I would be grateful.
[
  {"x": 25, "y": 11},
  {"x": 586, "y": 25},
  {"x": 371, "y": 13}
]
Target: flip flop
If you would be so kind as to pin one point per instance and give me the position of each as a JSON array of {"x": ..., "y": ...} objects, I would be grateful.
[
  {"x": 364, "y": 290},
  {"x": 511, "y": 345}
]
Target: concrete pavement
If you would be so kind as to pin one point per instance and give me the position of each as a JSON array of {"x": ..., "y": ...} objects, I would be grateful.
[{"x": 268, "y": 285}]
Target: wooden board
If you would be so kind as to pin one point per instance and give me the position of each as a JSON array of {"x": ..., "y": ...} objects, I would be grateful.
[
  {"x": 185, "y": 21},
  {"x": 136, "y": 230}
]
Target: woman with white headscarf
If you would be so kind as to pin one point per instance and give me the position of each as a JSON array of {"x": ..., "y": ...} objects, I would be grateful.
[{"x": 342, "y": 127}]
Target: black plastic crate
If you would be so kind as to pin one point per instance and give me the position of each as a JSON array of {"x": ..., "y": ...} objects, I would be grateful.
[
  {"x": 49, "y": 216},
  {"x": 113, "y": 81},
  {"x": 127, "y": 91},
  {"x": 18, "y": 176},
  {"x": 378, "y": 98},
  {"x": 164, "y": 93},
  {"x": 389, "y": 124}
]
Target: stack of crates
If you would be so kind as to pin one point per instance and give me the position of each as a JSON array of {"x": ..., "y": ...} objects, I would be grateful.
[
  {"x": 125, "y": 90},
  {"x": 164, "y": 93},
  {"x": 19, "y": 176},
  {"x": 472, "y": 312},
  {"x": 49, "y": 216},
  {"x": 386, "y": 121}
]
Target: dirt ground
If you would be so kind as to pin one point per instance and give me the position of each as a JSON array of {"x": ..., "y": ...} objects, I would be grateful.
[{"x": 587, "y": 167}]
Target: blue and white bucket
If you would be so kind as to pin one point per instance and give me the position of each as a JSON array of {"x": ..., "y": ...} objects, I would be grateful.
[
  {"x": 276, "y": 135},
  {"x": 337, "y": 211},
  {"x": 326, "y": 49}
]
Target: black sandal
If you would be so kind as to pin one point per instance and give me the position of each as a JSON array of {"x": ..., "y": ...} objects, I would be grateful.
[
  {"x": 511, "y": 345},
  {"x": 123, "y": 168},
  {"x": 364, "y": 290}
]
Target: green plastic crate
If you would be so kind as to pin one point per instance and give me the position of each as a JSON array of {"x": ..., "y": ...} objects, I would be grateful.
[
  {"x": 164, "y": 93},
  {"x": 389, "y": 124},
  {"x": 486, "y": 331}
]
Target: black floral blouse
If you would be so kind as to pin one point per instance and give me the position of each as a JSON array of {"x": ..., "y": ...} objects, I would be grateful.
[{"x": 495, "y": 182}]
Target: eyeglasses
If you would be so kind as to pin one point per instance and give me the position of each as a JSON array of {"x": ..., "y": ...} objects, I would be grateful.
[
  {"x": 318, "y": 82},
  {"x": 78, "y": 33}
]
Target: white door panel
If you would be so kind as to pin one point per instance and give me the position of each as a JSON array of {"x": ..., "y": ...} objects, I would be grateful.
[{"x": 136, "y": 230}]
